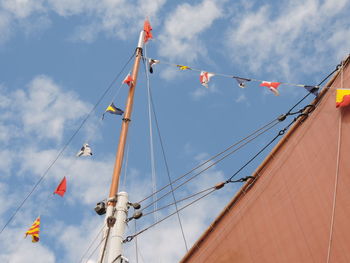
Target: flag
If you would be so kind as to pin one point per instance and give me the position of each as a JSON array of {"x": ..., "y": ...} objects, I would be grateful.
[
  {"x": 34, "y": 230},
  {"x": 148, "y": 31},
  {"x": 61, "y": 188},
  {"x": 128, "y": 80},
  {"x": 342, "y": 98},
  {"x": 241, "y": 82},
  {"x": 204, "y": 78},
  {"x": 85, "y": 150},
  {"x": 151, "y": 62},
  {"x": 271, "y": 86},
  {"x": 181, "y": 67},
  {"x": 113, "y": 110},
  {"x": 312, "y": 89}
]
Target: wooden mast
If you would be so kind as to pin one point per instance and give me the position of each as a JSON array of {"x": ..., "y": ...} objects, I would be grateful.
[{"x": 126, "y": 121}]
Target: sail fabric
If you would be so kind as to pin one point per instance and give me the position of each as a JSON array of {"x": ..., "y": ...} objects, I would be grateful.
[
  {"x": 128, "y": 80},
  {"x": 204, "y": 78},
  {"x": 85, "y": 150},
  {"x": 271, "y": 86},
  {"x": 34, "y": 230},
  {"x": 148, "y": 31},
  {"x": 61, "y": 188},
  {"x": 342, "y": 98}
]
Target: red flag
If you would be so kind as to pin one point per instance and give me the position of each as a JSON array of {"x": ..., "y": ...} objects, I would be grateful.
[
  {"x": 342, "y": 98},
  {"x": 271, "y": 86},
  {"x": 128, "y": 80},
  {"x": 61, "y": 188},
  {"x": 148, "y": 31}
]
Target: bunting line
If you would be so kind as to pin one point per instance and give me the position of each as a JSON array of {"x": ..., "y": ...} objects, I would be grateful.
[{"x": 241, "y": 81}]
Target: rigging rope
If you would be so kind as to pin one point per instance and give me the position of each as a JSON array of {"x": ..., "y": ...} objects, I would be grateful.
[
  {"x": 66, "y": 145},
  {"x": 164, "y": 157},
  {"x": 229, "y": 180},
  {"x": 91, "y": 243},
  {"x": 336, "y": 179},
  {"x": 214, "y": 157}
]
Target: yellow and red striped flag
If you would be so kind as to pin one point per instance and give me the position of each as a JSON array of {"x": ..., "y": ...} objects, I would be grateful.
[
  {"x": 342, "y": 98},
  {"x": 34, "y": 230}
]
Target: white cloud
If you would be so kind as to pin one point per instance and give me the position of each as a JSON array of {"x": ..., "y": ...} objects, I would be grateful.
[
  {"x": 281, "y": 39},
  {"x": 46, "y": 110},
  {"x": 22, "y": 8},
  {"x": 180, "y": 37}
]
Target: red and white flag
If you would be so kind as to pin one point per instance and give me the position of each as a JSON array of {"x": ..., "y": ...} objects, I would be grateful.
[
  {"x": 128, "y": 80},
  {"x": 204, "y": 78},
  {"x": 271, "y": 86}
]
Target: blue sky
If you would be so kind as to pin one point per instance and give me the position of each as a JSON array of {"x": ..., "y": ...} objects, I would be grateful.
[{"x": 57, "y": 58}]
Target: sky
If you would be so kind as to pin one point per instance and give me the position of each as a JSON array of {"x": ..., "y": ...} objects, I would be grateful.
[{"x": 57, "y": 57}]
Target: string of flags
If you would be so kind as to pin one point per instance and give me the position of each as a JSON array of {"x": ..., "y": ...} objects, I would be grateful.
[
  {"x": 60, "y": 190},
  {"x": 205, "y": 76}
]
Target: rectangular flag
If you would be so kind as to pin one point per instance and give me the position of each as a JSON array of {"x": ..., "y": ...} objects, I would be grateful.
[
  {"x": 34, "y": 230},
  {"x": 342, "y": 98}
]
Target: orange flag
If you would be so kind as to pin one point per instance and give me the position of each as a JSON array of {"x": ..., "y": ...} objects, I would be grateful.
[
  {"x": 128, "y": 80},
  {"x": 61, "y": 188},
  {"x": 34, "y": 230},
  {"x": 342, "y": 98},
  {"x": 148, "y": 31}
]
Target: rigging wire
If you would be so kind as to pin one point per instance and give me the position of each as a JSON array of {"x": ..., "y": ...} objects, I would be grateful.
[
  {"x": 153, "y": 169},
  {"x": 91, "y": 243},
  {"x": 213, "y": 157},
  {"x": 214, "y": 163},
  {"x": 65, "y": 146},
  {"x": 164, "y": 156},
  {"x": 229, "y": 180}
]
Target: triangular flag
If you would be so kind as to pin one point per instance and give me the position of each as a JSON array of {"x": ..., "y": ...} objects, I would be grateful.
[
  {"x": 148, "y": 30},
  {"x": 181, "y": 67},
  {"x": 34, "y": 230},
  {"x": 113, "y": 110},
  {"x": 151, "y": 62},
  {"x": 85, "y": 150},
  {"x": 61, "y": 188},
  {"x": 241, "y": 81},
  {"x": 312, "y": 89},
  {"x": 342, "y": 98},
  {"x": 204, "y": 78},
  {"x": 271, "y": 86},
  {"x": 128, "y": 80}
]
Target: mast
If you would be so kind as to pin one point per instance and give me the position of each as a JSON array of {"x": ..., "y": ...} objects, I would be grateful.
[{"x": 117, "y": 203}]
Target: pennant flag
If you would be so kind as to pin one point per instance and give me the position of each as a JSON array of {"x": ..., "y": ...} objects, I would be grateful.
[
  {"x": 34, "y": 230},
  {"x": 342, "y": 98},
  {"x": 271, "y": 86},
  {"x": 241, "y": 82},
  {"x": 151, "y": 62},
  {"x": 84, "y": 151},
  {"x": 113, "y": 110},
  {"x": 181, "y": 67},
  {"x": 312, "y": 89},
  {"x": 148, "y": 31},
  {"x": 128, "y": 80},
  {"x": 61, "y": 188},
  {"x": 204, "y": 78}
]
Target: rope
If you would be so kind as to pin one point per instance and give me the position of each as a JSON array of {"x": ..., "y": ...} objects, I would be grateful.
[
  {"x": 165, "y": 159},
  {"x": 153, "y": 169},
  {"x": 336, "y": 182},
  {"x": 212, "y": 158},
  {"x": 91, "y": 243},
  {"x": 64, "y": 147},
  {"x": 214, "y": 163}
]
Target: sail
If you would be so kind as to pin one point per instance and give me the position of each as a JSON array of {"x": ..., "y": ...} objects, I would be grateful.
[{"x": 298, "y": 207}]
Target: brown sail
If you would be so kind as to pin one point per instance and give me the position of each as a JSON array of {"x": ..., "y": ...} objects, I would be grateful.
[{"x": 297, "y": 209}]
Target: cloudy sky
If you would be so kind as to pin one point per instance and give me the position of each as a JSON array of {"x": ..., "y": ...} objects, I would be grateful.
[{"x": 57, "y": 57}]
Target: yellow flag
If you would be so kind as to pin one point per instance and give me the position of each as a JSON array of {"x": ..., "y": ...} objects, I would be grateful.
[{"x": 34, "y": 230}]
